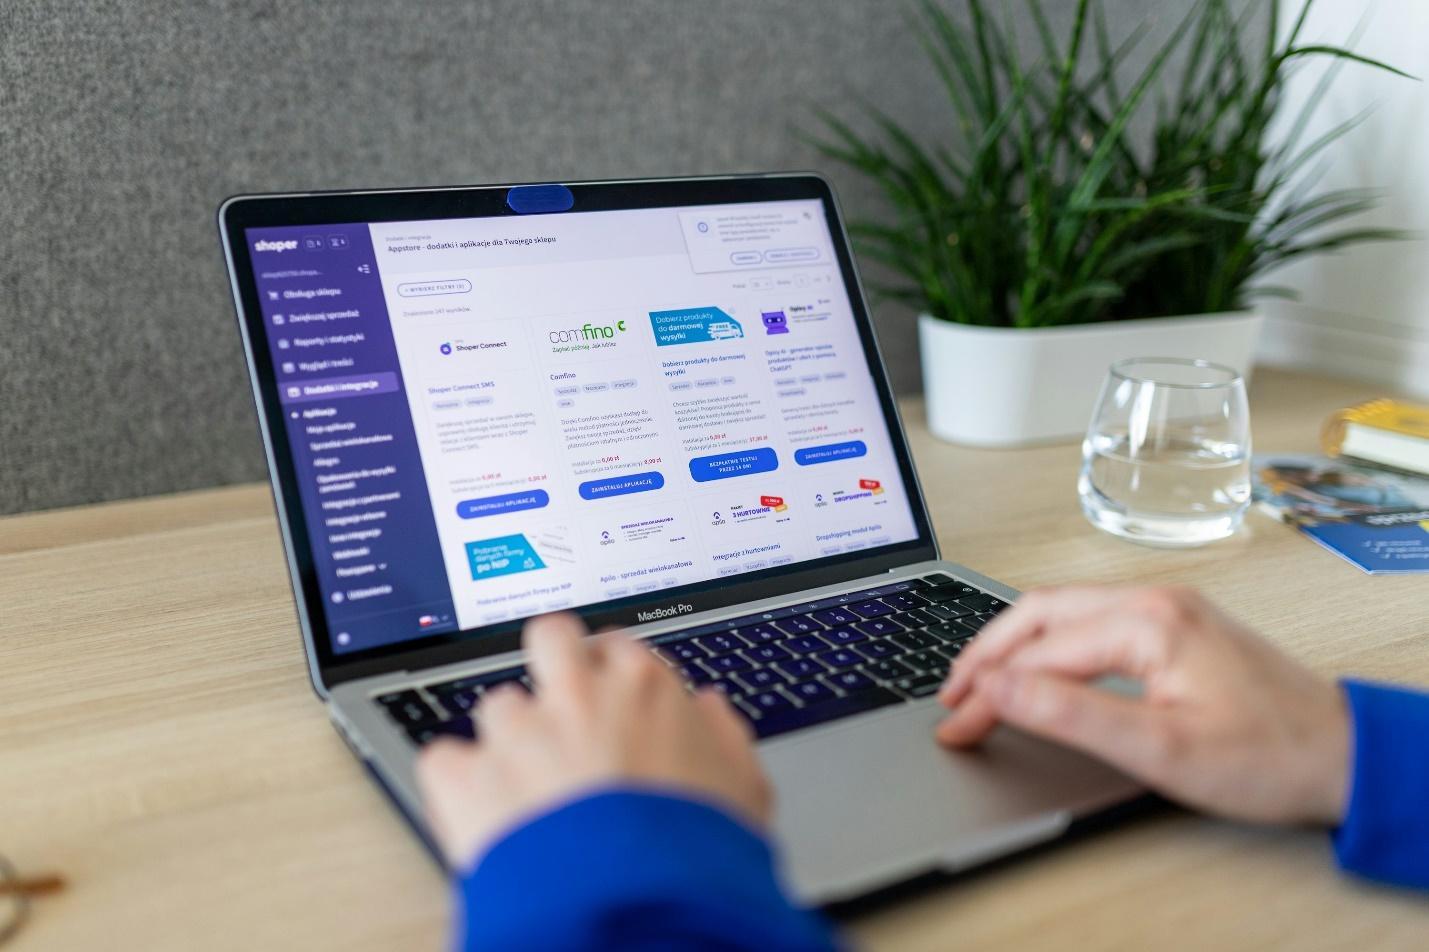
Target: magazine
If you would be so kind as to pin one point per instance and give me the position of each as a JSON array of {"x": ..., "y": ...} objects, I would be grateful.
[{"x": 1375, "y": 519}]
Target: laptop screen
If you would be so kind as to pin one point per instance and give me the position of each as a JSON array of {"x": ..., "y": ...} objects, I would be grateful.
[{"x": 494, "y": 417}]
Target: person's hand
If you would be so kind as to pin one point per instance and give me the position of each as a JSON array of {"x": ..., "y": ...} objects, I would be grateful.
[
  {"x": 1225, "y": 722},
  {"x": 606, "y": 711}
]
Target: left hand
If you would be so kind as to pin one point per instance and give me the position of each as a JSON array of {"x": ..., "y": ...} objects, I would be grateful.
[
  {"x": 606, "y": 711},
  {"x": 1226, "y": 723}
]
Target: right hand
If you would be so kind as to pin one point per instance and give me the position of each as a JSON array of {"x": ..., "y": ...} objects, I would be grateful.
[{"x": 1226, "y": 723}]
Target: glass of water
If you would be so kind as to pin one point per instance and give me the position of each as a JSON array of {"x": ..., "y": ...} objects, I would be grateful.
[{"x": 1166, "y": 460}]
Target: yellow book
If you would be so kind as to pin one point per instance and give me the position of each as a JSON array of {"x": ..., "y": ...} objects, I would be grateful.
[{"x": 1381, "y": 432}]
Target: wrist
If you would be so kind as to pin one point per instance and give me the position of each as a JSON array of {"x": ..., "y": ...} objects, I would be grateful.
[{"x": 1331, "y": 771}]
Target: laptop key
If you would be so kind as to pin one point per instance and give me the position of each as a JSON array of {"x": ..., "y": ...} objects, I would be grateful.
[
  {"x": 725, "y": 686},
  {"x": 975, "y": 622},
  {"x": 849, "y": 682},
  {"x": 929, "y": 662},
  {"x": 917, "y": 686},
  {"x": 721, "y": 643},
  {"x": 761, "y": 705},
  {"x": 760, "y": 634},
  {"x": 834, "y": 617},
  {"x": 696, "y": 675},
  {"x": 727, "y": 664},
  {"x": 887, "y": 670},
  {"x": 407, "y": 707},
  {"x": 778, "y": 722},
  {"x": 950, "y": 651},
  {"x": 879, "y": 627},
  {"x": 760, "y": 679},
  {"x": 804, "y": 644},
  {"x": 915, "y": 640},
  {"x": 766, "y": 654},
  {"x": 682, "y": 651},
  {"x": 937, "y": 579},
  {"x": 800, "y": 669},
  {"x": 916, "y": 618},
  {"x": 903, "y": 601},
  {"x": 843, "y": 637},
  {"x": 951, "y": 631},
  {"x": 840, "y": 658},
  {"x": 981, "y": 602},
  {"x": 878, "y": 650},
  {"x": 424, "y": 733},
  {"x": 949, "y": 593},
  {"x": 872, "y": 608},
  {"x": 458, "y": 702},
  {"x": 947, "y": 612},
  {"x": 810, "y": 692},
  {"x": 798, "y": 625},
  {"x": 478, "y": 683}
]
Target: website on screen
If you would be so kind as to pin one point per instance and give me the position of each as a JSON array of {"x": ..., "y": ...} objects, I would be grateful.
[{"x": 496, "y": 417}]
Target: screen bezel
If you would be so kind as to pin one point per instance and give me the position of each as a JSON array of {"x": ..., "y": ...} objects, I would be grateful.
[{"x": 329, "y": 667}]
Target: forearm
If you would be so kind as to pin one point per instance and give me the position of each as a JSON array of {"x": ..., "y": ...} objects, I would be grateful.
[
  {"x": 1385, "y": 833},
  {"x": 632, "y": 870}
]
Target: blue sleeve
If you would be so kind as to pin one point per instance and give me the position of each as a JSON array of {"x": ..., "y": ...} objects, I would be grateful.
[
  {"x": 1385, "y": 833},
  {"x": 631, "y": 870}
]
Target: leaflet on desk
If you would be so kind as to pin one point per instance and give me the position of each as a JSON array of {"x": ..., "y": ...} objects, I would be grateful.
[{"x": 496, "y": 417}]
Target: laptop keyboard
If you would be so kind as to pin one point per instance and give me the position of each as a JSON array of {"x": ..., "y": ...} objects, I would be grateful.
[{"x": 784, "y": 670}]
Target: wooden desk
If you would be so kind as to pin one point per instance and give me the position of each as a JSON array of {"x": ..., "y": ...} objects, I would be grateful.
[{"x": 160, "y": 745}]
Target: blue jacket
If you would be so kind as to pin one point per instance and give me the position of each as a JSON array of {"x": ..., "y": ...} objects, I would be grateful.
[{"x": 635, "y": 869}]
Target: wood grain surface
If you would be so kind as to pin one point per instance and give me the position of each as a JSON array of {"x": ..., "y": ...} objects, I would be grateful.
[{"x": 160, "y": 745}]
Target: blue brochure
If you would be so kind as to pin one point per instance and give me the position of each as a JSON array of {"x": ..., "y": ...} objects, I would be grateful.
[{"x": 1375, "y": 519}]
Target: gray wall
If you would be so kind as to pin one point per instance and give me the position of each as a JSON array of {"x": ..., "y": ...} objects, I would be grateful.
[{"x": 123, "y": 124}]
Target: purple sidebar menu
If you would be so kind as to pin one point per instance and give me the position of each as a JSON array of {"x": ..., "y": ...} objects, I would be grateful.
[{"x": 369, "y": 519}]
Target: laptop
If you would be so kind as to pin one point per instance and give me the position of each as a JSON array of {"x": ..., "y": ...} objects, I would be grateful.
[{"x": 659, "y": 404}]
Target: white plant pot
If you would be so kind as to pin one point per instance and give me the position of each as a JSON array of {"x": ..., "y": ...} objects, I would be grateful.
[{"x": 1000, "y": 386}]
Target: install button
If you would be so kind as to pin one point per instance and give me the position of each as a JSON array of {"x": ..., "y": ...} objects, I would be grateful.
[
  {"x": 811, "y": 455},
  {"x": 496, "y": 505},
  {"x": 703, "y": 469},
  {"x": 622, "y": 485}
]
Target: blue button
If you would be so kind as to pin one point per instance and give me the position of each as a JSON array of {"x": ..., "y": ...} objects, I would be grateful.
[
  {"x": 810, "y": 455},
  {"x": 703, "y": 469},
  {"x": 496, "y": 505},
  {"x": 622, "y": 485}
]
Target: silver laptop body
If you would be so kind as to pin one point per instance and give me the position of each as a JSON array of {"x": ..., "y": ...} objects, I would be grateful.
[{"x": 863, "y": 801}]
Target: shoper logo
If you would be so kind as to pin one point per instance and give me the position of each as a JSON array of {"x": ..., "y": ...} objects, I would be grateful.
[
  {"x": 266, "y": 245},
  {"x": 587, "y": 332},
  {"x": 655, "y": 614}
]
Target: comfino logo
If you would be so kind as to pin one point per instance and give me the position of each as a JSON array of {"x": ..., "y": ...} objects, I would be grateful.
[
  {"x": 266, "y": 245},
  {"x": 655, "y": 614},
  {"x": 587, "y": 332}
]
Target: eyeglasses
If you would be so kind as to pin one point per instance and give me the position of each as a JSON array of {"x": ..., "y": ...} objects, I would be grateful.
[{"x": 15, "y": 895}]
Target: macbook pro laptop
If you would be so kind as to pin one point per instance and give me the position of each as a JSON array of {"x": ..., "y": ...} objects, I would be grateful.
[{"x": 659, "y": 404}]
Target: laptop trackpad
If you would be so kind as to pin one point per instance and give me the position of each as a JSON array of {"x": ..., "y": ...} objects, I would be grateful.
[{"x": 868, "y": 803}]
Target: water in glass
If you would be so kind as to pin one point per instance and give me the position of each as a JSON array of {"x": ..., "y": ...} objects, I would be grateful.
[{"x": 1166, "y": 460}]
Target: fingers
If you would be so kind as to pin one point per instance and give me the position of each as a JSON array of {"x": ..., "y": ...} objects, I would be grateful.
[
  {"x": 558, "y": 657},
  {"x": 636, "y": 667},
  {"x": 504, "y": 708},
  {"x": 1032, "y": 615},
  {"x": 733, "y": 731},
  {"x": 443, "y": 774},
  {"x": 1137, "y": 737},
  {"x": 734, "y": 739},
  {"x": 971, "y": 721},
  {"x": 1123, "y": 644}
]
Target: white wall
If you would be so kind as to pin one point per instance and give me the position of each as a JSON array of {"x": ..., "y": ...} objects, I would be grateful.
[{"x": 1365, "y": 312}]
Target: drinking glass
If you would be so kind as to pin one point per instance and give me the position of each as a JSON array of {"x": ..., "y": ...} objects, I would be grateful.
[{"x": 1166, "y": 460}]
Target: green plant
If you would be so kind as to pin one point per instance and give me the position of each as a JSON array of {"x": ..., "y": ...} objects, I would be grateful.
[{"x": 1041, "y": 208}]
